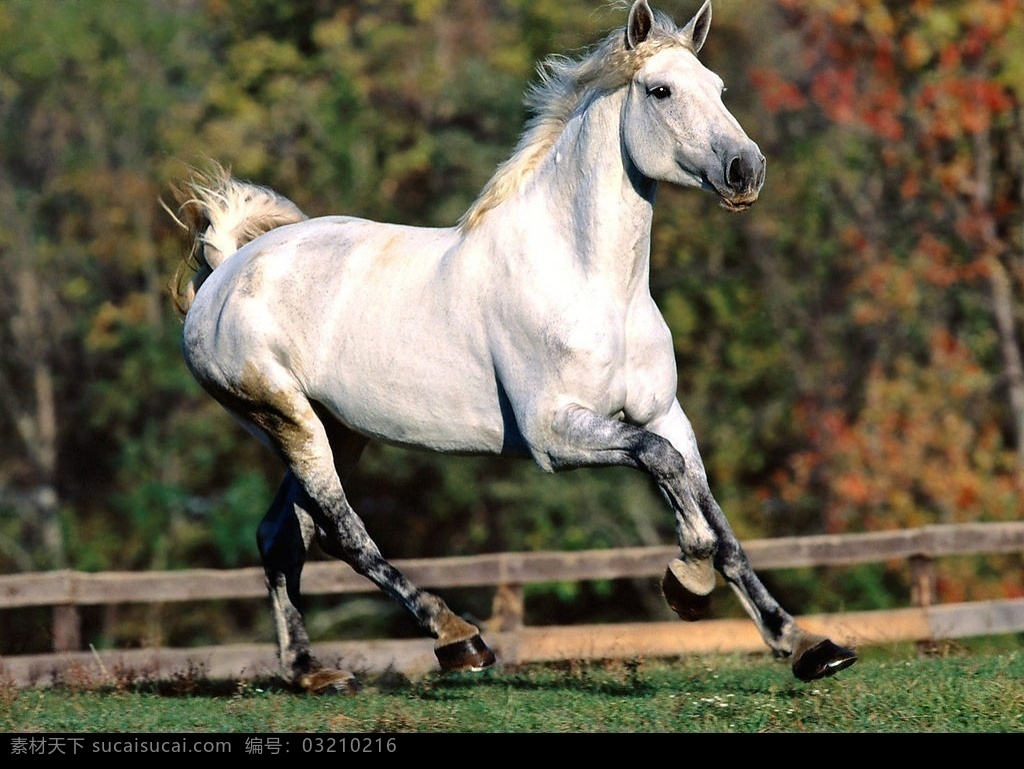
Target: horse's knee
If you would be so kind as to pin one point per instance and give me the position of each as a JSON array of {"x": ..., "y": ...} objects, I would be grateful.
[{"x": 659, "y": 457}]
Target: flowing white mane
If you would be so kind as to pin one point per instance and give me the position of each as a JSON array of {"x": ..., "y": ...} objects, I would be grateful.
[{"x": 564, "y": 85}]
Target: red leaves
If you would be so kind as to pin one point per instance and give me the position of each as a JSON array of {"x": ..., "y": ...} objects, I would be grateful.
[
  {"x": 880, "y": 72},
  {"x": 777, "y": 94},
  {"x": 834, "y": 90},
  {"x": 913, "y": 450},
  {"x": 882, "y": 113},
  {"x": 959, "y": 105}
]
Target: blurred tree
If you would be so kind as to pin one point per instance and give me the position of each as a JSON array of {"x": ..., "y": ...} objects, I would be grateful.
[
  {"x": 91, "y": 374},
  {"x": 912, "y": 198},
  {"x": 848, "y": 349}
]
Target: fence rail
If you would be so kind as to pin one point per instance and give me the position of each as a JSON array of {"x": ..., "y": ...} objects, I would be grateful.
[{"x": 508, "y": 573}]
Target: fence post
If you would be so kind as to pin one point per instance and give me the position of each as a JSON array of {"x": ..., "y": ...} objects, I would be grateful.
[
  {"x": 922, "y": 592},
  {"x": 922, "y": 575},
  {"x": 507, "y": 609},
  {"x": 67, "y": 628}
]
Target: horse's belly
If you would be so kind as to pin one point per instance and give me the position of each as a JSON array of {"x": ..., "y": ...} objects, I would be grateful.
[{"x": 462, "y": 417}]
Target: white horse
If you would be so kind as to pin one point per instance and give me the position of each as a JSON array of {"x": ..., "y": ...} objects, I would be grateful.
[{"x": 526, "y": 330}]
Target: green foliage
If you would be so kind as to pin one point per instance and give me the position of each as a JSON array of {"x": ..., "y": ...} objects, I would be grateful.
[{"x": 435, "y": 506}]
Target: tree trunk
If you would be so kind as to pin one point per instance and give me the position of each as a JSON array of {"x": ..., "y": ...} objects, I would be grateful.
[
  {"x": 27, "y": 369},
  {"x": 1002, "y": 293}
]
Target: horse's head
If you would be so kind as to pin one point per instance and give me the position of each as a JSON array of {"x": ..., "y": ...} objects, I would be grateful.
[{"x": 675, "y": 127}]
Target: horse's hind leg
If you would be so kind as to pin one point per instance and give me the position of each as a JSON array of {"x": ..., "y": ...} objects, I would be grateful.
[
  {"x": 459, "y": 645},
  {"x": 283, "y": 537},
  {"x": 299, "y": 433}
]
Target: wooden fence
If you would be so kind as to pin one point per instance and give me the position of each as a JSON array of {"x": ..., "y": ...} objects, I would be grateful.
[{"x": 512, "y": 640}]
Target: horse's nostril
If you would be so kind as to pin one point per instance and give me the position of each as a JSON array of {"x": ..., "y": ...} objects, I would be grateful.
[
  {"x": 745, "y": 172},
  {"x": 735, "y": 175}
]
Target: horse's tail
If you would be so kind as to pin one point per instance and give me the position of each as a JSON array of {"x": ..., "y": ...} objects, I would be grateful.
[{"x": 221, "y": 214}]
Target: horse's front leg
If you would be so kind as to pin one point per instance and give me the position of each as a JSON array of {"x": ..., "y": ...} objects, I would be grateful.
[
  {"x": 667, "y": 450},
  {"x": 584, "y": 438},
  {"x": 813, "y": 656}
]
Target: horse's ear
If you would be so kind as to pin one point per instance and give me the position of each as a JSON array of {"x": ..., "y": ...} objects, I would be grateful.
[
  {"x": 638, "y": 27},
  {"x": 697, "y": 27}
]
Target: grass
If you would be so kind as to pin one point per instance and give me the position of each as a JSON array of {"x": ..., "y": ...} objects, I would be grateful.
[{"x": 957, "y": 688}]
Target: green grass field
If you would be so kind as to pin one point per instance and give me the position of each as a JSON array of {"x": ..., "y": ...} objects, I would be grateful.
[{"x": 958, "y": 688}]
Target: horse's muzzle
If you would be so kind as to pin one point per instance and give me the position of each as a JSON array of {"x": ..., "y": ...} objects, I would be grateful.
[
  {"x": 743, "y": 176},
  {"x": 739, "y": 202}
]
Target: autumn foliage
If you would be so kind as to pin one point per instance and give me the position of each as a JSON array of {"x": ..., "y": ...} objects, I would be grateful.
[
  {"x": 849, "y": 349},
  {"x": 918, "y": 418}
]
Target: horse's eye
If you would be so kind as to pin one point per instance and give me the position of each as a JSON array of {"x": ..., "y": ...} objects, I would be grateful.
[{"x": 660, "y": 92}]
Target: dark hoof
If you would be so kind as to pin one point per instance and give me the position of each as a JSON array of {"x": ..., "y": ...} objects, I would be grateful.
[
  {"x": 822, "y": 660},
  {"x": 691, "y": 601},
  {"x": 471, "y": 654}
]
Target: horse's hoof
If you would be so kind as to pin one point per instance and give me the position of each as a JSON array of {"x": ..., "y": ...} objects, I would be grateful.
[
  {"x": 329, "y": 682},
  {"x": 687, "y": 587},
  {"x": 471, "y": 654},
  {"x": 821, "y": 660}
]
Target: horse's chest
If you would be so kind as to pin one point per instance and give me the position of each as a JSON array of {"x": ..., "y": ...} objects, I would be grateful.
[{"x": 584, "y": 345}]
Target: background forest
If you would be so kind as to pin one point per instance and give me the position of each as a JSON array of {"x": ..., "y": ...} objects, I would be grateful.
[{"x": 849, "y": 349}]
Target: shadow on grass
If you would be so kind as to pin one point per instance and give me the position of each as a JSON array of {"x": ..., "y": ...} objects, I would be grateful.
[
  {"x": 743, "y": 675},
  {"x": 614, "y": 678}
]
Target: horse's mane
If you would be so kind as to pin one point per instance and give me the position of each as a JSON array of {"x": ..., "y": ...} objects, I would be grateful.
[{"x": 564, "y": 85}]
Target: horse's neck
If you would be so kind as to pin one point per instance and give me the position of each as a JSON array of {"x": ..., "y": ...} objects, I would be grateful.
[{"x": 597, "y": 209}]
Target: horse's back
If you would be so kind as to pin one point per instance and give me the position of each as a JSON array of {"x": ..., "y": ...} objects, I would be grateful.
[
  {"x": 363, "y": 318},
  {"x": 303, "y": 279}
]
